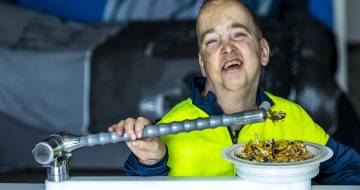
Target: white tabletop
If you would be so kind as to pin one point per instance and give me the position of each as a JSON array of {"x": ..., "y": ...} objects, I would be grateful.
[
  {"x": 170, "y": 183},
  {"x": 30, "y": 186}
]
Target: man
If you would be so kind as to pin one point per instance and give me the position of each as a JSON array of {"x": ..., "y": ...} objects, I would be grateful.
[{"x": 232, "y": 51}]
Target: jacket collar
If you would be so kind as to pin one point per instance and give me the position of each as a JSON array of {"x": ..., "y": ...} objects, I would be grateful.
[{"x": 209, "y": 103}]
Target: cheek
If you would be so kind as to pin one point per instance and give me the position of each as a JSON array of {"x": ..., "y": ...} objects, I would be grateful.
[
  {"x": 251, "y": 51},
  {"x": 211, "y": 61},
  {"x": 247, "y": 47}
]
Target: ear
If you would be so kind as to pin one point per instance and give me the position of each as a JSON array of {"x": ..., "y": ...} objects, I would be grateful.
[
  {"x": 265, "y": 52},
  {"x": 201, "y": 64}
]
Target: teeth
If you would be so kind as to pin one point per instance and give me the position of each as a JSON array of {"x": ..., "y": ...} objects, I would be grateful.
[{"x": 228, "y": 64}]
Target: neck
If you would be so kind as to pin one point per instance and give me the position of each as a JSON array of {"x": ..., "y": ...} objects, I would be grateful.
[{"x": 234, "y": 101}]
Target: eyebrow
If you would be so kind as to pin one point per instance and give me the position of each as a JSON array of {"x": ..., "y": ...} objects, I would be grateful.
[
  {"x": 205, "y": 33},
  {"x": 235, "y": 25},
  {"x": 239, "y": 25}
]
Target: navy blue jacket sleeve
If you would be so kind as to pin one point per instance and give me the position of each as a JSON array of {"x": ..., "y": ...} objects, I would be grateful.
[
  {"x": 133, "y": 167},
  {"x": 343, "y": 168}
]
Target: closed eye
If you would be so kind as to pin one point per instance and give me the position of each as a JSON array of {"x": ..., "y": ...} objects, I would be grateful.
[
  {"x": 238, "y": 35},
  {"x": 211, "y": 42},
  {"x": 211, "y": 39}
]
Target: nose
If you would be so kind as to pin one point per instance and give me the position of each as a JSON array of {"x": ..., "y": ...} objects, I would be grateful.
[{"x": 228, "y": 48}]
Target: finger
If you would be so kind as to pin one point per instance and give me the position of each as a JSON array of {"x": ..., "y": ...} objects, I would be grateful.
[
  {"x": 133, "y": 146},
  {"x": 148, "y": 145},
  {"x": 140, "y": 123},
  {"x": 144, "y": 155},
  {"x": 118, "y": 128},
  {"x": 138, "y": 153},
  {"x": 129, "y": 128},
  {"x": 111, "y": 129}
]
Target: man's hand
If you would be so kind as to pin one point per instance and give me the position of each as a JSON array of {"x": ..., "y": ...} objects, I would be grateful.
[{"x": 149, "y": 151}]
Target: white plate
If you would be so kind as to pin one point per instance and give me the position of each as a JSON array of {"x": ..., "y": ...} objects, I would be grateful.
[
  {"x": 321, "y": 153},
  {"x": 279, "y": 172}
]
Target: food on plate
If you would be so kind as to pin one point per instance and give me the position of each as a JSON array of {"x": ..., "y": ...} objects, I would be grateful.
[{"x": 274, "y": 151}]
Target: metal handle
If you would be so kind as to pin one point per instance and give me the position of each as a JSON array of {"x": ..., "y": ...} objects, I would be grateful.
[
  {"x": 57, "y": 146},
  {"x": 253, "y": 116}
]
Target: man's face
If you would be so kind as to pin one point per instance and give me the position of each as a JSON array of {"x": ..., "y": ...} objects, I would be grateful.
[{"x": 230, "y": 53}]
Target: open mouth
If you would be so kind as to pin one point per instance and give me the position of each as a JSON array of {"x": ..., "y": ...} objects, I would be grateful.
[{"x": 232, "y": 64}]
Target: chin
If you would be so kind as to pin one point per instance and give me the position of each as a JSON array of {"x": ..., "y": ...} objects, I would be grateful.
[
  {"x": 235, "y": 86},
  {"x": 235, "y": 82}
]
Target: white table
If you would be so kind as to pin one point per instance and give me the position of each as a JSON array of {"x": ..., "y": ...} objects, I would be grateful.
[{"x": 149, "y": 183}]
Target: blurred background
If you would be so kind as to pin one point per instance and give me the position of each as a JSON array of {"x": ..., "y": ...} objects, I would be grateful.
[{"x": 79, "y": 66}]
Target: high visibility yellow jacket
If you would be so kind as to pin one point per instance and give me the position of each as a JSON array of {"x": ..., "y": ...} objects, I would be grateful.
[{"x": 198, "y": 153}]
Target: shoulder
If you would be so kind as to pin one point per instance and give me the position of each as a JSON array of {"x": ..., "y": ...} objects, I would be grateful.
[
  {"x": 285, "y": 104},
  {"x": 183, "y": 110},
  {"x": 299, "y": 120}
]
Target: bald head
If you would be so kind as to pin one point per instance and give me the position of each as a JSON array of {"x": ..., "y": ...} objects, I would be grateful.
[{"x": 217, "y": 8}]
